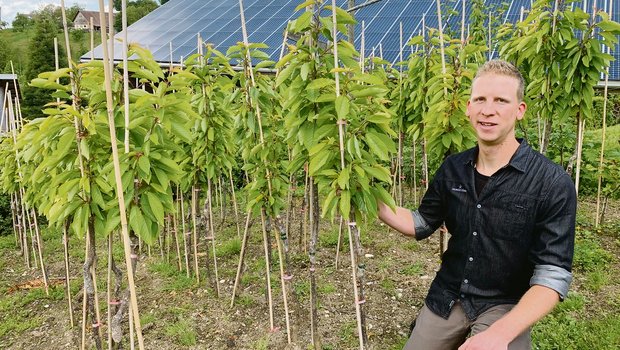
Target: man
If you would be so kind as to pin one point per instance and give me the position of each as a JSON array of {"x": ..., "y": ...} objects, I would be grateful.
[{"x": 511, "y": 215}]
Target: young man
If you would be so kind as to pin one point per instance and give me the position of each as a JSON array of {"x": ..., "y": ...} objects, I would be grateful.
[{"x": 511, "y": 215}]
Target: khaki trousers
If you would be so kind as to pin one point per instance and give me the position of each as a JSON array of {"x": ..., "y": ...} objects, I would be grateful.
[{"x": 432, "y": 332}]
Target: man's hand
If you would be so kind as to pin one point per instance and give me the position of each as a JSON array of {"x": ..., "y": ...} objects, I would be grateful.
[{"x": 486, "y": 340}]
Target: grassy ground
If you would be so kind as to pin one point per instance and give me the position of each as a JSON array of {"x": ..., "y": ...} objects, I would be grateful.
[{"x": 177, "y": 312}]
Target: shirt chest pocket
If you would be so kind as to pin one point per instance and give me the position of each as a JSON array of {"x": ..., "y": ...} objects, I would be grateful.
[{"x": 511, "y": 216}]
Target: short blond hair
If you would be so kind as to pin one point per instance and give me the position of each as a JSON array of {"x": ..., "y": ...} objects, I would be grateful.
[{"x": 502, "y": 67}]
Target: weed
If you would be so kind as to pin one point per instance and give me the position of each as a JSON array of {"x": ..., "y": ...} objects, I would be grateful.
[
  {"x": 589, "y": 256},
  {"x": 245, "y": 300},
  {"x": 413, "y": 270},
  {"x": 147, "y": 318},
  {"x": 329, "y": 239},
  {"x": 387, "y": 284},
  {"x": 412, "y": 245},
  {"x": 229, "y": 248},
  {"x": 180, "y": 282},
  {"x": 348, "y": 334},
  {"x": 182, "y": 331},
  {"x": 326, "y": 288},
  {"x": 595, "y": 280},
  {"x": 262, "y": 343},
  {"x": 302, "y": 289}
]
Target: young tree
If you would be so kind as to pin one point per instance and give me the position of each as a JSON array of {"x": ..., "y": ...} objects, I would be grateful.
[{"x": 41, "y": 49}]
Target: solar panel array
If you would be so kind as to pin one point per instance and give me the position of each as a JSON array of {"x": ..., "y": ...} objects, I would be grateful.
[{"x": 171, "y": 31}]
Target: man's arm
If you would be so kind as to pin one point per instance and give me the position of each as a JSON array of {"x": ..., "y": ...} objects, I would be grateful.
[
  {"x": 401, "y": 220},
  {"x": 537, "y": 302}
]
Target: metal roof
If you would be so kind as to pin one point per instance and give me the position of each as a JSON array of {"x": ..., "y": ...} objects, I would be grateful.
[{"x": 170, "y": 31}]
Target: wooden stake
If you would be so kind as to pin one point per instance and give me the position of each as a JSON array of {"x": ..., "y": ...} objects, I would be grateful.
[
  {"x": 361, "y": 331},
  {"x": 597, "y": 218},
  {"x": 40, "y": 250},
  {"x": 185, "y": 233},
  {"x": 119, "y": 184},
  {"x": 212, "y": 237},
  {"x": 234, "y": 198}
]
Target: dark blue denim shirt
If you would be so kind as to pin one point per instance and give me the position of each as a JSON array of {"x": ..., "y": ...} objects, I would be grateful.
[{"x": 519, "y": 232}]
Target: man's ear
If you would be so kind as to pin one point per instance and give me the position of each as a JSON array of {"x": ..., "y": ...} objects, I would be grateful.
[{"x": 522, "y": 109}]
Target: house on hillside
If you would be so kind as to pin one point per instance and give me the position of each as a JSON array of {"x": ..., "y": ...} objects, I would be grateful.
[{"x": 82, "y": 20}]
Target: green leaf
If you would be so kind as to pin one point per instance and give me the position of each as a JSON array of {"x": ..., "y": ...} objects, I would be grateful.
[
  {"x": 138, "y": 224},
  {"x": 318, "y": 161},
  {"x": 345, "y": 204},
  {"x": 156, "y": 207},
  {"x": 342, "y": 107},
  {"x": 377, "y": 146},
  {"x": 378, "y": 172},
  {"x": 609, "y": 26},
  {"x": 343, "y": 179}
]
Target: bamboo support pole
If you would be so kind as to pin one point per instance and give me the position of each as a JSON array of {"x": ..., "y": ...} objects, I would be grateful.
[
  {"x": 235, "y": 206},
  {"x": 443, "y": 234},
  {"x": 358, "y": 302},
  {"x": 33, "y": 240},
  {"x": 175, "y": 230},
  {"x": 267, "y": 271},
  {"x": 249, "y": 70},
  {"x": 339, "y": 244},
  {"x": 40, "y": 251},
  {"x": 109, "y": 289},
  {"x": 463, "y": 22},
  {"x": 119, "y": 185},
  {"x": 211, "y": 237},
  {"x": 185, "y": 233},
  {"x": 597, "y": 218}
]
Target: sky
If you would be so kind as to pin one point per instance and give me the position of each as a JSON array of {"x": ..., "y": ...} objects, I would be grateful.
[{"x": 10, "y": 8}]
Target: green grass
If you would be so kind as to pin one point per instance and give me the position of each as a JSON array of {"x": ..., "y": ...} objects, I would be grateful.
[
  {"x": 415, "y": 269},
  {"x": 229, "y": 248},
  {"x": 612, "y": 136},
  {"x": 182, "y": 332},
  {"x": 570, "y": 327},
  {"x": 19, "y": 42},
  {"x": 17, "y": 318}
]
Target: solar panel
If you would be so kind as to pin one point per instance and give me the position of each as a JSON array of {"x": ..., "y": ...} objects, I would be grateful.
[{"x": 178, "y": 22}]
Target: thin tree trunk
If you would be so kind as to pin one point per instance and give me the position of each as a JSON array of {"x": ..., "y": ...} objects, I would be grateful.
[
  {"x": 267, "y": 270},
  {"x": 89, "y": 291},
  {"x": 65, "y": 240},
  {"x": 244, "y": 244},
  {"x": 234, "y": 198},
  {"x": 285, "y": 277},
  {"x": 314, "y": 237},
  {"x": 185, "y": 234},
  {"x": 195, "y": 233}
]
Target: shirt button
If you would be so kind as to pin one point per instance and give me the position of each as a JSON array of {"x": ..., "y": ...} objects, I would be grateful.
[
  {"x": 466, "y": 281},
  {"x": 471, "y": 258},
  {"x": 478, "y": 206},
  {"x": 475, "y": 233},
  {"x": 462, "y": 296}
]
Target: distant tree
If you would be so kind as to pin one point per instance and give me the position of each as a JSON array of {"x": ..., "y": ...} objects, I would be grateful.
[
  {"x": 163, "y": 1},
  {"x": 135, "y": 10},
  {"x": 22, "y": 22},
  {"x": 5, "y": 52},
  {"x": 41, "y": 55},
  {"x": 3, "y": 24}
]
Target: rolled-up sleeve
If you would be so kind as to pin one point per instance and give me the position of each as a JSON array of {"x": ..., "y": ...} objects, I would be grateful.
[
  {"x": 552, "y": 277},
  {"x": 554, "y": 243}
]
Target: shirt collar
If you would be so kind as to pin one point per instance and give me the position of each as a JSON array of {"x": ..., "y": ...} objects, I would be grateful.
[{"x": 518, "y": 160}]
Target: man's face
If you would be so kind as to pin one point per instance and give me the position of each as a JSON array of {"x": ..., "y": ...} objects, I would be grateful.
[{"x": 494, "y": 108}]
